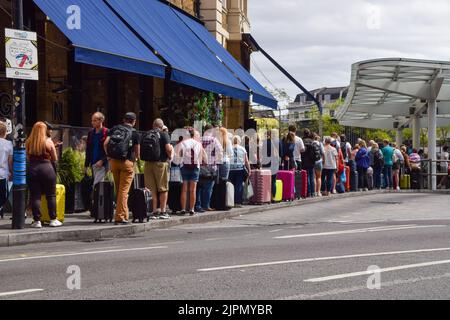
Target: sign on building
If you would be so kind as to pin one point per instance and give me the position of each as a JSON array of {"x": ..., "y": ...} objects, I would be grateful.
[{"x": 21, "y": 54}]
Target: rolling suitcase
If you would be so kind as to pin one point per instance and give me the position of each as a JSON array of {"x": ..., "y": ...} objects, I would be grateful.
[
  {"x": 262, "y": 186},
  {"x": 222, "y": 198},
  {"x": 140, "y": 204},
  {"x": 279, "y": 191},
  {"x": 405, "y": 182},
  {"x": 103, "y": 205},
  {"x": 60, "y": 205},
  {"x": 354, "y": 181},
  {"x": 301, "y": 184},
  {"x": 347, "y": 182},
  {"x": 174, "y": 201},
  {"x": 288, "y": 178}
]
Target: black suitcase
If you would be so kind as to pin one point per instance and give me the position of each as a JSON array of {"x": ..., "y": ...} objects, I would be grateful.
[
  {"x": 354, "y": 180},
  {"x": 415, "y": 180},
  {"x": 219, "y": 196},
  {"x": 103, "y": 206},
  {"x": 175, "y": 189},
  {"x": 138, "y": 182},
  {"x": 86, "y": 192},
  {"x": 140, "y": 204}
]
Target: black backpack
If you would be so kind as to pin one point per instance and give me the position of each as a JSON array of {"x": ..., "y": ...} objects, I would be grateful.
[
  {"x": 344, "y": 149},
  {"x": 378, "y": 159},
  {"x": 313, "y": 150},
  {"x": 120, "y": 142},
  {"x": 151, "y": 147}
]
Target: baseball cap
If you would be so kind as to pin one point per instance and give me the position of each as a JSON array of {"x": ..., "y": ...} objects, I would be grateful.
[{"x": 130, "y": 116}]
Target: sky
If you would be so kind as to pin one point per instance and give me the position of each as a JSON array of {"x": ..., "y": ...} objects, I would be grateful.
[{"x": 317, "y": 41}]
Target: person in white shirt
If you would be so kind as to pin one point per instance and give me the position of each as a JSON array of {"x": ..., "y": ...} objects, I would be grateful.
[
  {"x": 299, "y": 147},
  {"x": 330, "y": 159},
  {"x": 398, "y": 162},
  {"x": 193, "y": 155},
  {"x": 6, "y": 162}
]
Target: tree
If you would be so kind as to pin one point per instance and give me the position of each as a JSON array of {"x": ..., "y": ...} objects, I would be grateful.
[{"x": 443, "y": 133}]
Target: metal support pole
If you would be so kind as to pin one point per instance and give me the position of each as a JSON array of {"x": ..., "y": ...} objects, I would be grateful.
[
  {"x": 416, "y": 132},
  {"x": 399, "y": 137},
  {"x": 432, "y": 111},
  {"x": 19, "y": 160}
]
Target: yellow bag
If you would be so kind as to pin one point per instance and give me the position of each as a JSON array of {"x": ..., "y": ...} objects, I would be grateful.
[
  {"x": 60, "y": 205},
  {"x": 279, "y": 193}
]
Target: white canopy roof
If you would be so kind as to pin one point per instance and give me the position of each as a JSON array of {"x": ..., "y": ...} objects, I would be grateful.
[{"x": 386, "y": 93}]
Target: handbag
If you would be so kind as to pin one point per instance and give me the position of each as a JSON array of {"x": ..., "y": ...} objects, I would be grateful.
[
  {"x": 175, "y": 174},
  {"x": 248, "y": 191},
  {"x": 207, "y": 173}
]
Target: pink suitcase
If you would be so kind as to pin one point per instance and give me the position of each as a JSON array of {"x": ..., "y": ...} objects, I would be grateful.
[
  {"x": 288, "y": 178},
  {"x": 262, "y": 186}
]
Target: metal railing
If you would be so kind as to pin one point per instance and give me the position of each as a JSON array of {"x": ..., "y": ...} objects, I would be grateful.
[{"x": 426, "y": 176}]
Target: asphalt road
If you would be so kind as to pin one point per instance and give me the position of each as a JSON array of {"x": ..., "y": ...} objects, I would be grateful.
[{"x": 320, "y": 251}]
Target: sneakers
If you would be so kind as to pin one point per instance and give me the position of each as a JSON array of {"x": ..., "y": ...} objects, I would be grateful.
[
  {"x": 319, "y": 194},
  {"x": 365, "y": 189},
  {"x": 122, "y": 223},
  {"x": 36, "y": 225},
  {"x": 55, "y": 223},
  {"x": 398, "y": 189},
  {"x": 164, "y": 216},
  {"x": 192, "y": 213}
]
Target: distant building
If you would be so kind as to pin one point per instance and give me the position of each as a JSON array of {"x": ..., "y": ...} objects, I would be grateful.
[{"x": 300, "y": 109}]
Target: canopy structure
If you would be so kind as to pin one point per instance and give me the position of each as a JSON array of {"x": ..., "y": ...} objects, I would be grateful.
[
  {"x": 398, "y": 93},
  {"x": 103, "y": 40},
  {"x": 190, "y": 60},
  {"x": 260, "y": 94}
]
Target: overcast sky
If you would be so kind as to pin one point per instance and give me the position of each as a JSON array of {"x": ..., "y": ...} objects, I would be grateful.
[{"x": 318, "y": 41}]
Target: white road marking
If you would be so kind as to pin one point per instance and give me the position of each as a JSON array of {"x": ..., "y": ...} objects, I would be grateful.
[
  {"x": 12, "y": 293},
  {"x": 362, "y": 273},
  {"x": 274, "y": 263},
  {"x": 365, "y": 230},
  {"x": 278, "y": 230},
  {"x": 82, "y": 254},
  {"x": 335, "y": 292}
]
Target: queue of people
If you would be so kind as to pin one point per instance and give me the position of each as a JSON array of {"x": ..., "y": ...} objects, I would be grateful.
[{"x": 198, "y": 163}]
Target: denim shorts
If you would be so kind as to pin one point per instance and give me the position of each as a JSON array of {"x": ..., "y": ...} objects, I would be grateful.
[
  {"x": 318, "y": 166},
  {"x": 192, "y": 175}
]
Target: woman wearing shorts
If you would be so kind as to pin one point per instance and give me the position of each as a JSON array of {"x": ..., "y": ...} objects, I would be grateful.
[{"x": 192, "y": 155}]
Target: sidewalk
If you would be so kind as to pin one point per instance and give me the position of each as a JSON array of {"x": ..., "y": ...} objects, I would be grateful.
[{"x": 80, "y": 227}]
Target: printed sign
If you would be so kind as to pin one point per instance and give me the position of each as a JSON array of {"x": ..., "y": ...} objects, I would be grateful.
[{"x": 21, "y": 54}]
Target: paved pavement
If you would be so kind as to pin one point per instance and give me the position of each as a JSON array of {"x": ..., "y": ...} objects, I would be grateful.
[
  {"x": 81, "y": 226},
  {"x": 318, "y": 251}
]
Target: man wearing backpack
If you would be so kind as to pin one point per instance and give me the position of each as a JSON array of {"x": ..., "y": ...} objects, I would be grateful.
[
  {"x": 157, "y": 152},
  {"x": 95, "y": 153},
  {"x": 123, "y": 149}
]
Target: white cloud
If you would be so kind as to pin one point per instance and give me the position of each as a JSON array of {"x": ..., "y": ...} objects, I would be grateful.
[{"x": 318, "y": 41}]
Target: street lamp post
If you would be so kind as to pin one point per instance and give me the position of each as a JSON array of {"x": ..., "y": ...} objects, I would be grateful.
[{"x": 19, "y": 162}]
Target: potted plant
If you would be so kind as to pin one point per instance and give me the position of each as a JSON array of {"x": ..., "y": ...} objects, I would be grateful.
[{"x": 70, "y": 173}]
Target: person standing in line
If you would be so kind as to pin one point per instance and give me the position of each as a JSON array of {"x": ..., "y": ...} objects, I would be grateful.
[
  {"x": 214, "y": 154},
  {"x": 288, "y": 152},
  {"x": 318, "y": 167},
  {"x": 193, "y": 155},
  {"x": 157, "y": 152},
  {"x": 122, "y": 147},
  {"x": 239, "y": 164},
  {"x": 310, "y": 157},
  {"x": 444, "y": 168},
  {"x": 362, "y": 163},
  {"x": 224, "y": 164},
  {"x": 41, "y": 154},
  {"x": 299, "y": 148},
  {"x": 95, "y": 153},
  {"x": 330, "y": 158},
  {"x": 377, "y": 163},
  {"x": 397, "y": 165},
  {"x": 388, "y": 156},
  {"x": 6, "y": 166}
]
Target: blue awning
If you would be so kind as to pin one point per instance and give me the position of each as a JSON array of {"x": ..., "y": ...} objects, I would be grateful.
[
  {"x": 103, "y": 40},
  {"x": 260, "y": 94},
  {"x": 192, "y": 63}
]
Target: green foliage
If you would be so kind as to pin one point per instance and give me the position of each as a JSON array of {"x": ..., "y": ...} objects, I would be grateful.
[
  {"x": 442, "y": 133},
  {"x": 70, "y": 167},
  {"x": 378, "y": 135},
  {"x": 407, "y": 134}
]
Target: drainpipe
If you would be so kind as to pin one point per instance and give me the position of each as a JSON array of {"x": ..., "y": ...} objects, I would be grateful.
[{"x": 198, "y": 3}]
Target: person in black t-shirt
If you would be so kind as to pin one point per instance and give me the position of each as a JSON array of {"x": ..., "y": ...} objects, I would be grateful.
[
  {"x": 157, "y": 172},
  {"x": 123, "y": 169}
]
